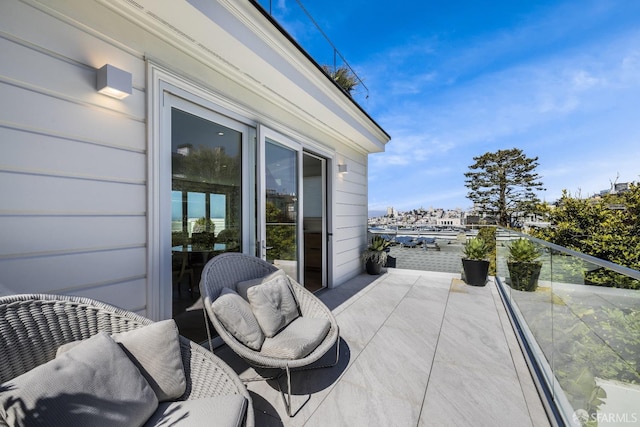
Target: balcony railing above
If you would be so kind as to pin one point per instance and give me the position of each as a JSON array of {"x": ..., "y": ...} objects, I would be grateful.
[{"x": 300, "y": 26}]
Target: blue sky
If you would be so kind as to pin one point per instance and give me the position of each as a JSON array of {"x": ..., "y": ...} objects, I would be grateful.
[{"x": 450, "y": 80}]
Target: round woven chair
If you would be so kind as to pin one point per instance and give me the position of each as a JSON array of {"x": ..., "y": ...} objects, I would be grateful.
[
  {"x": 226, "y": 270},
  {"x": 33, "y": 326}
]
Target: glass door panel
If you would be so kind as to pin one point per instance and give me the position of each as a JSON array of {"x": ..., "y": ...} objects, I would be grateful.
[
  {"x": 206, "y": 199},
  {"x": 314, "y": 220},
  {"x": 281, "y": 207}
]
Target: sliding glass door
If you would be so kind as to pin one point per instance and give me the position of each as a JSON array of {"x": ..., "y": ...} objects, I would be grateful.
[
  {"x": 281, "y": 206},
  {"x": 292, "y": 209},
  {"x": 210, "y": 203}
]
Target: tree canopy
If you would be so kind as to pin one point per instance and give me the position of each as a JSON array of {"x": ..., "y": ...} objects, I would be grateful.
[
  {"x": 504, "y": 183},
  {"x": 607, "y": 227}
]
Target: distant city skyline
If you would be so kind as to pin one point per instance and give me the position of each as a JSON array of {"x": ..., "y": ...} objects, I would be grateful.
[{"x": 559, "y": 79}]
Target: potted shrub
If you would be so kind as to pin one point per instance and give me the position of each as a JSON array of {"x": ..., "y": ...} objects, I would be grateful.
[
  {"x": 375, "y": 256},
  {"x": 475, "y": 262},
  {"x": 524, "y": 268}
]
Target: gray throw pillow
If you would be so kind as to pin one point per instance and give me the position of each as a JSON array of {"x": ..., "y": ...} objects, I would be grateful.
[
  {"x": 273, "y": 304},
  {"x": 93, "y": 384},
  {"x": 155, "y": 350},
  {"x": 236, "y": 316},
  {"x": 243, "y": 287}
]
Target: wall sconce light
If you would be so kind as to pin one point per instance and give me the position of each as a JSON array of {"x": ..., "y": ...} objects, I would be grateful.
[
  {"x": 342, "y": 168},
  {"x": 113, "y": 82}
]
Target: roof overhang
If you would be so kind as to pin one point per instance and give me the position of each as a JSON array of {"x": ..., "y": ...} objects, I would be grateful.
[{"x": 237, "y": 40}]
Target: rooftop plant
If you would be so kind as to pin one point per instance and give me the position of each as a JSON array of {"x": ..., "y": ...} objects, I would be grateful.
[
  {"x": 376, "y": 251},
  {"x": 476, "y": 249},
  {"x": 523, "y": 250}
]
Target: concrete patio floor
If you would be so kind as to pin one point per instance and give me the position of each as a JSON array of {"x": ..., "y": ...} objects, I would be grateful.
[{"x": 417, "y": 348}]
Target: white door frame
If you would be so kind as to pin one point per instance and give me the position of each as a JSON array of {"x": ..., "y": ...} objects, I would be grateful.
[
  {"x": 167, "y": 90},
  {"x": 265, "y": 133}
]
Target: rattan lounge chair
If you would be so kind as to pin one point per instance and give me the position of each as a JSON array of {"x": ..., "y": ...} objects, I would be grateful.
[
  {"x": 33, "y": 326},
  {"x": 226, "y": 270}
]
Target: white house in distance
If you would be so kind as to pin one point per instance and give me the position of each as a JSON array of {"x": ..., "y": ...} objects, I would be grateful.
[{"x": 231, "y": 139}]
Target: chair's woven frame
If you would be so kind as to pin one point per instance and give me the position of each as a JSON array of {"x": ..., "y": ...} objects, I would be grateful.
[
  {"x": 33, "y": 326},
  {"x": 226, "y": 270}
]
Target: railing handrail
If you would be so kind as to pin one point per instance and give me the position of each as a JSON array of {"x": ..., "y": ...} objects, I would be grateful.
[
  {"x": 600, "y": 262},
  {"x": 336, "y": 52}
]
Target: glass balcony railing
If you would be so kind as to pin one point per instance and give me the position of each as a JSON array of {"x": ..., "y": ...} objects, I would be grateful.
[{"x": 580, "y": 321}]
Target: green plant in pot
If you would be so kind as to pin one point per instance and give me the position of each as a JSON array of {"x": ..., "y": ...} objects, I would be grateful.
[
  {"x": 524, "y": 267},
  {"x": 375, "y": 256},
  {"x": 475, "y": 262}
]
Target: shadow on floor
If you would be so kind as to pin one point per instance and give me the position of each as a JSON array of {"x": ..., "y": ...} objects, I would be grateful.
[{"x": 333, "y": 298}]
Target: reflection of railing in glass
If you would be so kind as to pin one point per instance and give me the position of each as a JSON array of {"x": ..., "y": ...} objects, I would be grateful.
[{"x": 585, "y": 338}]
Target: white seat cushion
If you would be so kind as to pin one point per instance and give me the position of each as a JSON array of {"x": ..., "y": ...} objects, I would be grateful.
[
  {"x": 236, "y": 316},
  {"x": 219, "y": 411},
  {"x": 92, "y": 384},
  {"x": 298, "y": 339},
  {"x": 273, "y": 304}
]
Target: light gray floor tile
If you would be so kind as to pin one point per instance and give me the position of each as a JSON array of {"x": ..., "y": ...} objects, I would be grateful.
[
  {"x": 418, "y": 348},
  {"x": 351, "y": 405},
  {"x": 465, "y": 397}
]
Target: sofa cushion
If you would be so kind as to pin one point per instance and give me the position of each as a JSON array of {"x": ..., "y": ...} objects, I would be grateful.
[
  {"x": 273, "y": 304},
  {"x": 298, "y": 339},
  {"x": 220, "y": 411},
  {"x": 236, "y": 316},
  {"x": 155, "y": 350},
  {"x": 243, "y": 287},
  {"x": 92, "y": 384}
]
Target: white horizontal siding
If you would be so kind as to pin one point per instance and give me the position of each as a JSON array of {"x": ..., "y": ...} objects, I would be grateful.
[
  {"x": 73, "y": 272},
  {"x": 47, "y": 155},
  {"x": 68, "y": 234},
  {"x": 71, "y": 40},
  {"x": 132, "y": 294},
  {"x": 72, "y": 164},
  {"x": 350, "y": 216},
  {"x": 37, "y": 112},
  {"x": 25, "y": 193}
]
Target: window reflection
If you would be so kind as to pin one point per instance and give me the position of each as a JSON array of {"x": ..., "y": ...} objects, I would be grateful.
[{"x": 206, "y": 180}]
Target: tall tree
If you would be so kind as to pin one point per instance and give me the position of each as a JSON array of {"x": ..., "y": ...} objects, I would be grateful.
[{"x": 504, "y": 183}]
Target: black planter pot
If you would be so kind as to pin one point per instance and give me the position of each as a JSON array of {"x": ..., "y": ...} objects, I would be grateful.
[
  {"x": 524, "y": 275},
  {"x": 373, "y": 267},
  {"x": 475, "y": 271}
]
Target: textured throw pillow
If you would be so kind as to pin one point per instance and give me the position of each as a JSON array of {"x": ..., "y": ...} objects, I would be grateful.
[
  {"x": 243, "y": 287},
  {"x": 236, "y": 316},
  {"x": 93, "y": 384},
  {"x": 210, "y": 411},
  {"x": 273, "y": 304},
  {"x": 155, "y": 350}
]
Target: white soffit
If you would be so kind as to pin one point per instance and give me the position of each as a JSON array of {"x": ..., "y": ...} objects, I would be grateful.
[{"x": 309, "y": 95}]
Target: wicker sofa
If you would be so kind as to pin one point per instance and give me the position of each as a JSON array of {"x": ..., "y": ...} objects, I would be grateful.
[{"x": 34, "y": 326}]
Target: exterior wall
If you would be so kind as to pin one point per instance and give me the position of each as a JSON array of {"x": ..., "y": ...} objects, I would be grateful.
[
  {"x": 351, "y": 214},
  {"x": 74, "y": 164}
]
